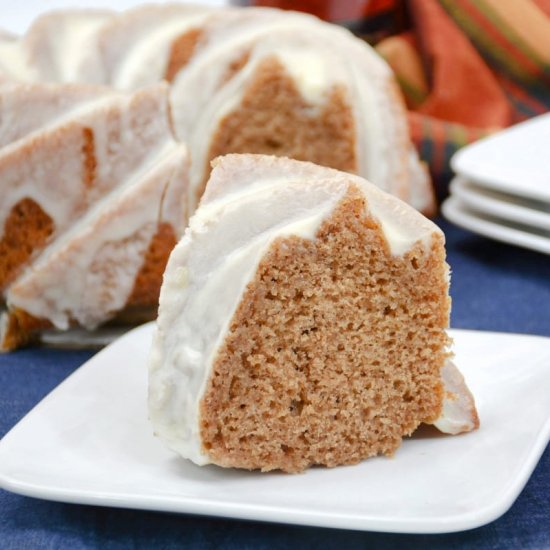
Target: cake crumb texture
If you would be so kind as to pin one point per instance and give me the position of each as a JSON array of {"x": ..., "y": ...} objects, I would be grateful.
[
  {"x": 274, "y": 119},
  {"x": 333, "y": 354}
]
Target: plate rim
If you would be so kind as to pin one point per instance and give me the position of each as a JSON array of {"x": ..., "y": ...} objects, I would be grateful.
[
  {"x": 458, "y": 166},
  {"x": 456, "y": 211},
  {"x": 277, "y": 513},
  {"x": 466, "y": 191}
]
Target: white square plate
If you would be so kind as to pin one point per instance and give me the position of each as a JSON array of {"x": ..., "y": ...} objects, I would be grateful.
[
  {"x": 506, "y": 231},
  {"x": 514, "y": 160},
  {"x": 89, "y": 442},
  {"x": 502, "y": 205}
]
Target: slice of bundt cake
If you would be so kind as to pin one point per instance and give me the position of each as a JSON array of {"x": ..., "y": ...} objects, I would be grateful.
[{"x": 302, "y": 321}]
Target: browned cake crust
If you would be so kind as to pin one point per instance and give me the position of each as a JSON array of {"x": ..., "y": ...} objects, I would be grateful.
[
  {"x": 334, "y": 353},
  {"x": 88, "y": 152},
  {"x": 21, "y": 329},
  {"x": 181, "y": 51},
  {"x": 274, "y": 119},
  {"x": 235, "y": 66},
  {"x": 27, "y": 228},
  {"x": 149, "y": 279}
]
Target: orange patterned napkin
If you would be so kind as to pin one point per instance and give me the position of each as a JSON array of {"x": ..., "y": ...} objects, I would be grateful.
[{"x": 468, "y": 68}]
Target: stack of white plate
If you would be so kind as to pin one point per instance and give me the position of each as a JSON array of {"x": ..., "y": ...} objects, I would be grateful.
[{"x": 502, "y": 186}]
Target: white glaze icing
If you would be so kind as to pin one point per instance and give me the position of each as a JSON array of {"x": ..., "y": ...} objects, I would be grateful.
[
  {"x": 14, "y": 63},
  {"x": 76, "y": 33},
  {"x": 458, "y": 413},
  {"x": 308, "y": 70},
  {"x": 147, "y": 60},
  {"x": 250, "y": 201},
  {"x": 56, "y": 42},
  {"x": 132, "y": 51},
  {"x": 28, "y": 108}
]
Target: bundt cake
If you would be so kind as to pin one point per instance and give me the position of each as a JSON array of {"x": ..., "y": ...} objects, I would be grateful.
[
  {"x": 302, "y": 321},
  {"x": 93, "y": 191},
  {"x": 92, "y": 100},
  {"x": 254, "y": 80}
]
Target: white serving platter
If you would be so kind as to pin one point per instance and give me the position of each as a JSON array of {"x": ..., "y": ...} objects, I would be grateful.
[{"x": 90, "y": 442}]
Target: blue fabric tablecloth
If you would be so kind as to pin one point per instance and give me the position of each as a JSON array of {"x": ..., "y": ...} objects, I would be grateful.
[{"x": 494, "y": 287}]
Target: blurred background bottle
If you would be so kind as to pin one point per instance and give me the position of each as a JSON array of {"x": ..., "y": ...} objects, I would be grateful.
[{"x": 372, "y": 20}]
